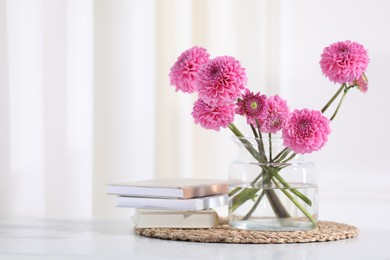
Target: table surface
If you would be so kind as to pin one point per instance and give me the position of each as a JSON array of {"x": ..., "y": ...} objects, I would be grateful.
[{"x": 115, "y": 239}]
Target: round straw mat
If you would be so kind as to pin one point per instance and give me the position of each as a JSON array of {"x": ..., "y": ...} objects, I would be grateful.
[{"x": 223, "y": 233}]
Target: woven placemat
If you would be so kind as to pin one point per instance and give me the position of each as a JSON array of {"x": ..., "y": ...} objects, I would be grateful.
[{"x": 223, "y": 233}]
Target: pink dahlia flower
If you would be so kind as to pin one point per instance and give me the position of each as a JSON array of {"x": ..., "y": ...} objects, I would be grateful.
[
  {"x": 277, "y": 115},
  {"x": 307, "y": 131},
  {"x": 221, "y": 80},
  {"x": 361, "y": 83},
  {"x": 343, "y": 62},
  {"x": 211, "y": 117},
  {"x": 253, "y": 106},
  {"x": 183, "y": 72}
]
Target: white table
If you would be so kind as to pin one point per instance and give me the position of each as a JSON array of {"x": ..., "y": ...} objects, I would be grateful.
[{"x": 115, "y": 239}]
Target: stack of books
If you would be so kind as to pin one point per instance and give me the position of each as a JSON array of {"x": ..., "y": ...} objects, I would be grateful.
[{"x": 172, "y": 203}]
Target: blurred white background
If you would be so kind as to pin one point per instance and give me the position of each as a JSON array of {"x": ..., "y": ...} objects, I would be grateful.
[{"x": 85, "y": 97}]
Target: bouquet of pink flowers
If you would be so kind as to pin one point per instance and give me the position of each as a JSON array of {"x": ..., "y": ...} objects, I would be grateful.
[{"x": 222, "y": 94}]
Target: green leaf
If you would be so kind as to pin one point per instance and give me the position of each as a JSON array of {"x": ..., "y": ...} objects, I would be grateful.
[
  {"x": 244, "y": 195},
  {"x": 234, "y": 191}
]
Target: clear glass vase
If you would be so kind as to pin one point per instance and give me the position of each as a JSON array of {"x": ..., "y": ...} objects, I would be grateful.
[{"x": 271, "y": 188}]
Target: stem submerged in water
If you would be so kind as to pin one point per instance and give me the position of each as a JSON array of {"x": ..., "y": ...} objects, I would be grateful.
[
  {"x": 250, "y": 212},
  {"x": 269, "y": 174},
  {"x": 246, "y": 194},
  {"x": 304, "y": 211}
]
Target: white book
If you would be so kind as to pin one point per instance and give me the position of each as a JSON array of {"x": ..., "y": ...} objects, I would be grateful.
[
  {"x": 169, "y": 188},
  {"x": 173, "y": 204},
  {"x": 152, "y": 218}
]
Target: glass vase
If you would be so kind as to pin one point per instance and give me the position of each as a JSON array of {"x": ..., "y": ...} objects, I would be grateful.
[{"x": 271, "y": 188}]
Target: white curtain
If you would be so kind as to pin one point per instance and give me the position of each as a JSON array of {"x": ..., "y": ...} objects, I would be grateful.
[
  {"x": 47, "y": 102},
  {"x": 85, "y": 97}
]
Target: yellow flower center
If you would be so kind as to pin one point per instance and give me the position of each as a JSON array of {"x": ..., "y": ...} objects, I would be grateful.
[{"x": 254, "y": 104}]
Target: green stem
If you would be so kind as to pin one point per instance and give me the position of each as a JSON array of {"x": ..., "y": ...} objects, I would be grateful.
[
  {"x": 276, "y": 205},
  {"x": 281, "y": 153},
  {"x": 246, "y": 144},
  {"x": 286, "y": 185},
  {"x": 289, "y": 158},
  {"x": 333, "y": 98},
  {"x": 235, "y": 130},
  {"x": 250, "y": 212},
  {"x": 270, "y": 146},
  {"x": 261, "y": 143},
  {"x": 257, "y": 178},
  {"x": 260, "y": 157},
  {"x": 304, "y": 211},
  {"x": 340, "y": 103},
  {"x": 254, "y": 131}
]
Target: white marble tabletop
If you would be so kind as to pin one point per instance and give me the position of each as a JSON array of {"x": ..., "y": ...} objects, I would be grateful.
[{"x": 115, "y": 239}]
